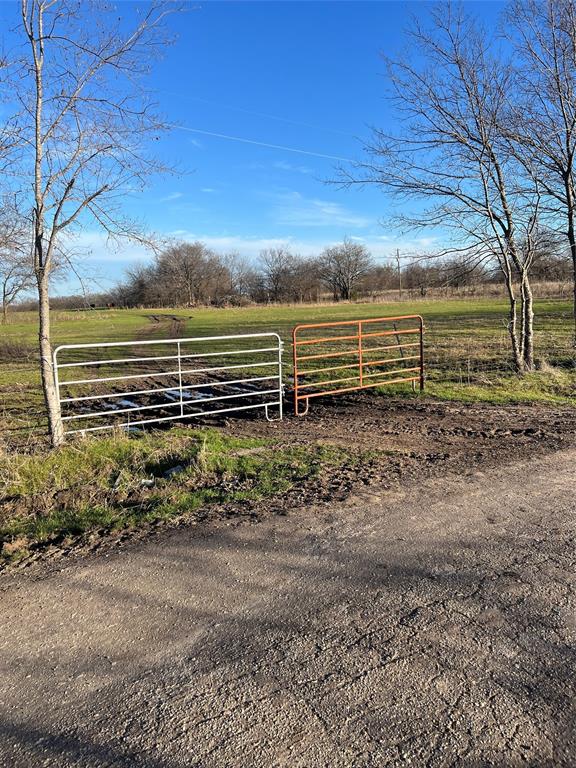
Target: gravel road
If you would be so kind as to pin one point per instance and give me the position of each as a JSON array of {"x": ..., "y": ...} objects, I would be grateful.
[{"x": 431, "y": 625}]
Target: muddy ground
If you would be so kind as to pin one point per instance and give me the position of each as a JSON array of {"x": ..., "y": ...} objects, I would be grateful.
[
  {"x": 393, "y": 442},
  {"x": 413, "y": 440},
  {"x": 416, "y": 610}
]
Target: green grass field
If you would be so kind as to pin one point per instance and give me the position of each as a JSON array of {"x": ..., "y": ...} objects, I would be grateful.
[
  {"x": 466, "y": 346},
  {"x": 112, "y": 481}
]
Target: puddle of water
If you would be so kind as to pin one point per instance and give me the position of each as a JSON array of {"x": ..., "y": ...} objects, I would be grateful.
[
  {"x": 191, "y": 396},
  {"x": 195, "y": 395},
  {"x": 174, "y": 394}
]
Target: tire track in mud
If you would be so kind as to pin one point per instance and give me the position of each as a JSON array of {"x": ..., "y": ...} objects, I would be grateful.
[
  {"x": 174, "y": 325},
  {"x": 459, "y": 435}
]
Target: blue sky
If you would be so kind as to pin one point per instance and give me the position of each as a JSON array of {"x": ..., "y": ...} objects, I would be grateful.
[{"x": 301, "y": 75}]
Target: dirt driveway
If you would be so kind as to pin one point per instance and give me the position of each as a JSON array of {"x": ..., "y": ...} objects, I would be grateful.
[{"x": 428, "y": 624}]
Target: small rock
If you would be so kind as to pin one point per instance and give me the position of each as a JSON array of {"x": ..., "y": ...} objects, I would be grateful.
[{"x": 173, "y": 471}]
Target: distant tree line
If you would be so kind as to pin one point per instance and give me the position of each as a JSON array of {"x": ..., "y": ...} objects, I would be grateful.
[{"x": 189, "y": 274}]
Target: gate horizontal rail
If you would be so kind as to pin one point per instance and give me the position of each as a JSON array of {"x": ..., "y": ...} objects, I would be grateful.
[
  {"x": 255, "y": 383},
  {"x": 370, "y": 371}
]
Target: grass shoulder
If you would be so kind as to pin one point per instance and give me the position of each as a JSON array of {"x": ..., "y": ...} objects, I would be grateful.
[
  {"x": 548, "y": 387},
  {"x": 123, "y": 481}
]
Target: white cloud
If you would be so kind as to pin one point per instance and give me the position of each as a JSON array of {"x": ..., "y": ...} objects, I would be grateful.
[
  {"x": 246, "y": 245},
  {"x": 409, "y": 245},
  {"x": 251, "y": 245},
  {"x": 425, "y": 242},
  {"x": 294, "y": 209},
  {"x": 282, "y": 165},
  {"x": 172, "y": 196},
  {"x": 208, "y": 190},
  {"x": 96, "y": 248},
  {"x": 196, "y": 143}
]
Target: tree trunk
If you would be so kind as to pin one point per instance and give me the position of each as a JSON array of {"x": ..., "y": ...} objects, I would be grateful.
[
  {"x": 527, "y": 324},
  {"x": 513, "y": 325},
  {"x": 42, "y": 254},
  {"x": 572, "y": 241},
  {"x": 574, "y": 291},
  {"x": 49, "y": 388}
]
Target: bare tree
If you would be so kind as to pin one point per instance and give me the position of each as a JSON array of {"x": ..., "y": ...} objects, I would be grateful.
[
  {"x": 306, "y": 283},
  {"x": 382, "y": 278},
  {"x": 342, "y": 266},
  {"x": 277, "y": 268},
  {"x": 81, "y": 130},
  {"x": 16, "y": 272},
  {"x": 542, "y": 127},
  {"x": 141, "y": 287},
  {"x": 451, "y": 155},
  {"x": 185, "y": 271},
  {"x": 242, "y": 275}
]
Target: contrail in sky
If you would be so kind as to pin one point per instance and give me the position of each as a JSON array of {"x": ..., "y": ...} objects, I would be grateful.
[
  {"x": 262, "y": 143},
  {"x": 265, "y": 115}
]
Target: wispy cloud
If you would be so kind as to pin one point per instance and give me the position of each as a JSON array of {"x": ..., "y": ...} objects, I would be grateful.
[
  {"x": 294, "y": 209},
  {"x": 412, "y": 244},
  {"x": 98, "y": 250},
  {"x": 196, "y": 143},
  {"x": 98, "y": 247},
  {"x": 172, "y": 196},
  {"x": 208, "y": 190},
  {"x": 245, "y": 245},
  {"x": 250, "y": 246},
  {"x": 282, "y": 165}
]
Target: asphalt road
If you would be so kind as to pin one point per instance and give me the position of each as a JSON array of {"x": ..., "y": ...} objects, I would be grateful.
[{"x": 433, "y": 626}]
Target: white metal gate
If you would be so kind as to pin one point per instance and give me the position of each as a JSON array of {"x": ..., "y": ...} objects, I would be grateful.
[{"x": 180, "y": 381}]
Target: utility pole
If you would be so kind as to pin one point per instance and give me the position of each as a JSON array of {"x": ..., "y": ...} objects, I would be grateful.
[{"x": 399, "y": 274}]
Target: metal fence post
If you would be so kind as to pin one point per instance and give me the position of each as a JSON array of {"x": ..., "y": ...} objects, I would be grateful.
[
  {"x": 360, "y": 349},
  {"x": 280, "y": 383},
  {"x": 295, "y": 369},
  {"x": 57, "y": 387},
  {"x": 180, "y": 379},
  {"x": 421, "y": 355}
]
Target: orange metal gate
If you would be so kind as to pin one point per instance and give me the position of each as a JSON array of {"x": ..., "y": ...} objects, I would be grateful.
[{"x": 359, "y": 362}]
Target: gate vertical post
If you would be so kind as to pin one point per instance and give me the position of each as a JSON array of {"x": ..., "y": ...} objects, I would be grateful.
[
  {"x": 280, "y": 382},
  {"x": 295, "y": 370},
  {"x": 180, "y": 379},
  {"x": 360, "y": 366},
  {"x": 421, "y": 354}
]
